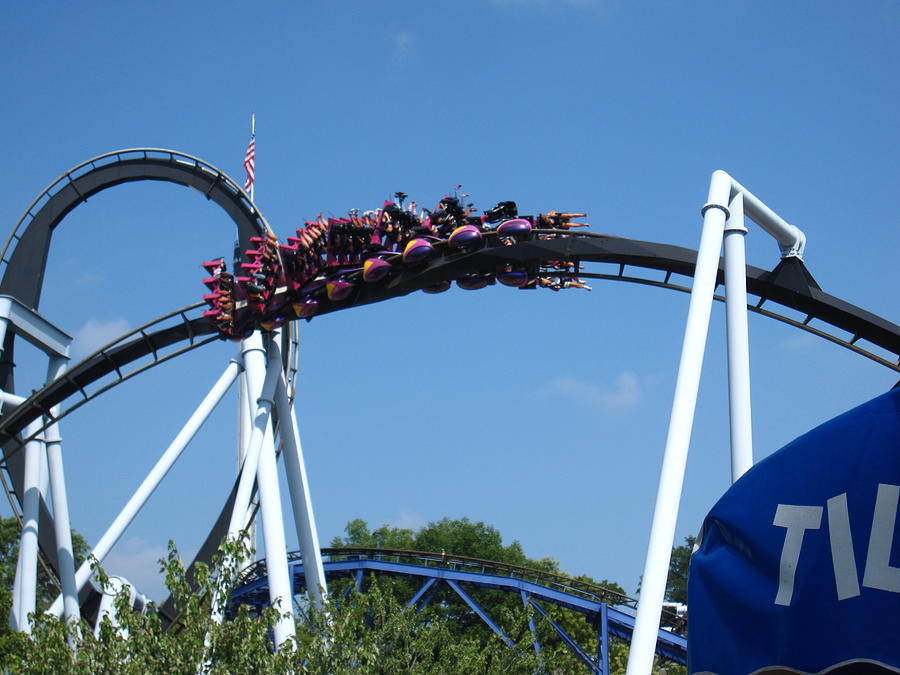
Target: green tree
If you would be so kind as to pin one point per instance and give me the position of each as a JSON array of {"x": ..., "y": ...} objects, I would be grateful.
[
  {"x": 359, "y": 536},
  {"x": 367, "y": 633},
  {"x": 47, "y": 584},
  {"x": 463, "y": 537},
  {"x": 679, "y": 564}
]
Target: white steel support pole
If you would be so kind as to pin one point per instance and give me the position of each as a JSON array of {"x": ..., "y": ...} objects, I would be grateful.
[
  {"x": 281, "y": 594},
  {"x": 25, "y": 587},
  {"x": 64, "y": 550},
  {"x": 738, "y": 340},
  {"x": 668, "y": 496},
  {"x": 12, "y": 400},
  {"x": 259, "y": 462},
  {"x": 260, "y": 387},
  {"x": 14, "y": 610},
  {"x": 245, "y": 428},
  {"x": 153, "y": 479},
  {"x": 301, "y": 501}
]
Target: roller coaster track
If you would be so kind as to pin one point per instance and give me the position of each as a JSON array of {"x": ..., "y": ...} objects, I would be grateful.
[
  {"x": 550, "y": 579},
  {"x": 594, "y": 602},
  {"x": 787, "y": 288},
  {"x": 150, "y": 339}
]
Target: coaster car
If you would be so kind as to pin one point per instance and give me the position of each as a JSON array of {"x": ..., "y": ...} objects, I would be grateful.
[
  {"x": 338, "y": 290},
  {"x": 375, "y": 269},
  {"x": 514, "y": 278},
  {"x": 517, "y": 227},
  {"x": 417, "y": 251},
  {"x": 306, "y": 308},
  {"x": 465, "y": 236},
  {"x": 472, "y": 282},
  {"x": 439, "y": 287}
]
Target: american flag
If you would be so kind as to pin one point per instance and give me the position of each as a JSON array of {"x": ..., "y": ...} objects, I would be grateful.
[{"x": 249, "y": 159}]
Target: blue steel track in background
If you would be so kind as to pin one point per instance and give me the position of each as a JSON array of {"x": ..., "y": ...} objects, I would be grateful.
[{"x": 601, "y": 607}]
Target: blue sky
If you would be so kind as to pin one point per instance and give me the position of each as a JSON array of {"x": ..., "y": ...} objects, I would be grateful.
[{"x": 543, "y": 414}]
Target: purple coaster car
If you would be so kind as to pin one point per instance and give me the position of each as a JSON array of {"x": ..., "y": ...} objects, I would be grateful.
[
  {"x": 464, "y": 236},
  {"x": 439, "y": 287},
  {"x": 517, "y": 227},
  {"x": 514, "y": 278},
  {"x": 417, "y": 251},
  {"x": 375, "y": 269},
  {"x": 306, "y": 309},
  {"x": 338, "y": 290},
  {"x": 472, "y": 282}
]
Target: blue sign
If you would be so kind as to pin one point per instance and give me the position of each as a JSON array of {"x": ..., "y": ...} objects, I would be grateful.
[{"x": 798, "y": 565}]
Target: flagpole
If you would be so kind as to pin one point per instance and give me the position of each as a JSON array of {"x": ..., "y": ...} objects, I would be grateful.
[
  {"x": 253, "y": 143},
  {"x": 245, "y": 413}
]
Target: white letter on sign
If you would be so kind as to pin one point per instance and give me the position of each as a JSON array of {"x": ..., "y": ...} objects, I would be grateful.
[
  {"x": 797, "y": 519},
  {"x": 879, "y": 573},
  {"x": 842, "y": 558}
]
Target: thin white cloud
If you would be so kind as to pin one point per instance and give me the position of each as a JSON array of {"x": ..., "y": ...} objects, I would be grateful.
[
  {"x": 94, "y": 334},
  {"x": 408, "y": 520},
  {"x": 623, "y": 396},
  {"x": 402, "y": 43}
]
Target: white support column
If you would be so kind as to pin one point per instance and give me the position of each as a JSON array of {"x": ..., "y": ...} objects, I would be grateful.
[
  {"x": 11, "y": 400},
  {"x": 3, "y": 324},
  {"x": 14, "y": 610},
  {"x": 244, "y": 430},
  {"x": 668, "y": 497},
  {"x": 259, "y": 463},
  {"x": 301, "y": 501},
  {"x": 738, "y": 340},
  {"x": 64, "y": 551},
  {"x": 281, "y": 594},
  {"x": 260, "y": 387},
  {"x": 153, "y": 479},
  {"x": 25, "y": 587}
]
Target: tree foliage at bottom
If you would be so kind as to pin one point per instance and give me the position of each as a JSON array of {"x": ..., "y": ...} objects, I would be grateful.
[
  {"x": 360, "y": 634},
  {"x": 363, "y": 633}
]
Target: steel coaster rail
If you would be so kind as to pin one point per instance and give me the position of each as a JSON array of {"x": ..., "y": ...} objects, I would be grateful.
[
  {"x": 95, "y": 366},
  {"x": 804, "y": 325},
  {"x": 789, "y": 284},
  {"x": 581, "y": 246},
  {"x": 24, "y": 256},
  {"x": 449, "y": 561},
  {"x": 130, "y": 347},
  {"x": 68, "y": 179}
]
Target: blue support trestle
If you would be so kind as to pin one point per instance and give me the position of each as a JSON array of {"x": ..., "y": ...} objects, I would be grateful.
[
  {"x": 611, "y": 621},
  {"x": 603, "y": 646},
  {"x": 418, "y": 596},
  {"x": 428, "y": 598},
  {"x": 570, "y": 642},
  {"x": 531, "y": 624},
  {"x": 480, "y": 612}
]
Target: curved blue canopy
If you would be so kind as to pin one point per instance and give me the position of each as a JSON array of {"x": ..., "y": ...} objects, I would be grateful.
[{"x": 798, "y": 564}]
